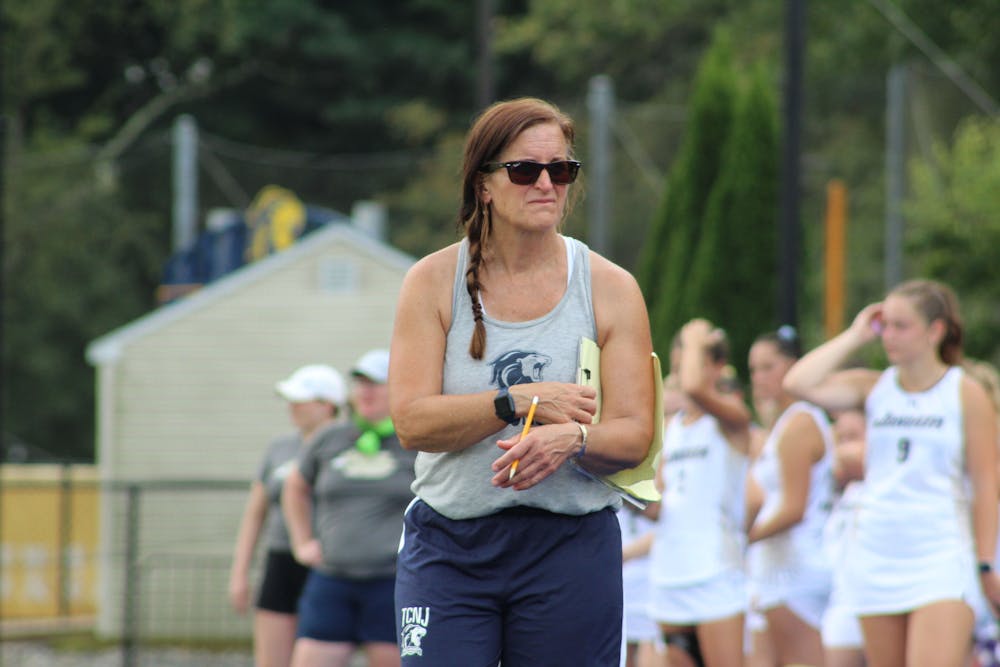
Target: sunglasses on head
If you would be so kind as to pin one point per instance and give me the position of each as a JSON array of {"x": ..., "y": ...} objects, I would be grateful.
[{"x": 525, "y": 172}]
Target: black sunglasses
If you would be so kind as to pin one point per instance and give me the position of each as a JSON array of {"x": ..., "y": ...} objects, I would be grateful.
[{"x": 524, "y": 172}]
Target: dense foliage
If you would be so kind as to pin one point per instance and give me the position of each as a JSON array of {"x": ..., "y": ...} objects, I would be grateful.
[
  {"x": 349, "y": 101},
  {"x": 733, "y": 272},
  {"x": 954, "y": 229},
  {"x": 666, "y": 263}
]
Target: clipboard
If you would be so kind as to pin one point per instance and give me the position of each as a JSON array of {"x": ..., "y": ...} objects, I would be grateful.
[{"x": 635, "y": 485}]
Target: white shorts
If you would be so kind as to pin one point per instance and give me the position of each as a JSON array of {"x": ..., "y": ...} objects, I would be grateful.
[
  {"x": 722, "y": 596},
  {"x": 635, "y": 587},
  {"x": 841, "y": 628},
  {"x": 806, "y": 591},
  {"x": 877, "y": 585},
  {"x": 639, "y": 627},
  {"x": 809, "y": 606},
  {"x": 756, "y": 621}
]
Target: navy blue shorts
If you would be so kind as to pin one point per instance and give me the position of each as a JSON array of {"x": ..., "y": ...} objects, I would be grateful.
[
  {"x": 333, "y": 609},
  {"x": 524, "y": 587}
]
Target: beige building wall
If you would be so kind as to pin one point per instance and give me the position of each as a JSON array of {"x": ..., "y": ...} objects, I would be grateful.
[{"x": 188, "y": 394}]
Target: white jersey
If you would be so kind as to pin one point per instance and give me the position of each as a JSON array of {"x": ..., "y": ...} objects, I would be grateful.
[
  {"x": 914, "y": 541},
  {"x": 794, "y": 558},
  {"x": 699, "y": 533}
]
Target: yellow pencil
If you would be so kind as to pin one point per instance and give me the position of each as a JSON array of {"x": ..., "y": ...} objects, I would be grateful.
[{"x": 524, "y": 432}]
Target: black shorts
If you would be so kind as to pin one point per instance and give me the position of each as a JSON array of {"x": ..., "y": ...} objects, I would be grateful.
[{"x": 282, "y": 583}]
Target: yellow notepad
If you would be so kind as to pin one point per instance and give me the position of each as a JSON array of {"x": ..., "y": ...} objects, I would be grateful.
[{"x": 636, "y": 484}]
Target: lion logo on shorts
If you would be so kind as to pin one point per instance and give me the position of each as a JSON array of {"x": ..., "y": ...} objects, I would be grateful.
[
  {"x": 415, "y": 621},
  {"x": 412, "y": 637}
]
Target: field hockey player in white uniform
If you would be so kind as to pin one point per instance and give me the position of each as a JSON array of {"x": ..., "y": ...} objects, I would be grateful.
[
  {"x": 699, "y": 588},
  {"x": 842, "y": 640},
  {"x": 930, "y": 505},
  {"x": 987, "y": 633},
  {"x": 791, "y": 576},
  {"x": 640, "y": 631},
  {"x": 756, "y": 642}
]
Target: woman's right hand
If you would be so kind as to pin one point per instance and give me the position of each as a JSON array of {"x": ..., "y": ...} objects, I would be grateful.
[
  {"x": 239, "y": 594},
  {"x": 309, "y": 553},
  {"x": 867, "y": 324}
]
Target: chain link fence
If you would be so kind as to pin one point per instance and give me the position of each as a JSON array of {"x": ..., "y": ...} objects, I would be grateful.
[{"x": 142, "y": 566}]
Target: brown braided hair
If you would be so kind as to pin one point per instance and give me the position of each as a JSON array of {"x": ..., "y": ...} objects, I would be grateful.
[
  {"x": 937, "y": 301},
  {"x": 494, "y": 129}
]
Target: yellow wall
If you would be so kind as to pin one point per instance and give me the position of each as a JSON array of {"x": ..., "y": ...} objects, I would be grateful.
[{"x": 30, "y": 524}]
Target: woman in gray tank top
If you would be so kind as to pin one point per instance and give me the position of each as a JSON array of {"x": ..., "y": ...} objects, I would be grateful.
[{"x": 509, "y": 553}]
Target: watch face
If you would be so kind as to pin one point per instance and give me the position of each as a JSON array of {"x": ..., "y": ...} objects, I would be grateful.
[{"x": 503, "y": 405}]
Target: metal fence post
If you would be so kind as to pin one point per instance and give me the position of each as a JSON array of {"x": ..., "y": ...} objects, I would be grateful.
[
  {"x": 130, "y": 605},
  {"x": 65, "y": 535}
]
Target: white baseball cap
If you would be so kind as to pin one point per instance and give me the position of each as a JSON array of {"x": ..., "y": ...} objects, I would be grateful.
[
  {"x": 316, "y": 382},
  {"x": 373, "y": 365}
]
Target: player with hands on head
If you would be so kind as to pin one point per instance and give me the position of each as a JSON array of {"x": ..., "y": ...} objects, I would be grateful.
[
  {"x": 926, "y": 533},
  {"x": 698, "y": 583}
]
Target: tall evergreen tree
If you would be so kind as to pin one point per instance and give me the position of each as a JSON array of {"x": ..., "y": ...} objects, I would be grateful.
[
  {"x": 732, "y": 280},
  {"x": 666, "y": 259}
]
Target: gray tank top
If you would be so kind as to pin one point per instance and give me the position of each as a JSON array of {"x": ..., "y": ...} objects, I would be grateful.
[{"x": 457, "y": 484}]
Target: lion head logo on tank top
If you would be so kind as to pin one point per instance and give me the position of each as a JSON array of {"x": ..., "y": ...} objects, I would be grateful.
[{"x": 518, "y": 367}]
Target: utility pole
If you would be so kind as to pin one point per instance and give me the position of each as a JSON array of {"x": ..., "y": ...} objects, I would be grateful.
[
  {"x": 600, "y": 104},
  {"x": 789, "y": 229},
  {"x": 895, "y": 157},
  {"x": 185, "y": 207}
]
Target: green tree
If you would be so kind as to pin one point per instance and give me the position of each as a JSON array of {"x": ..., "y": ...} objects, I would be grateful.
[
  {"x": 953, "y": 229},
  {"x": 91, "y": 90},
  {"x": 732, "y": 280},
  {"x": 389, "y": 83},
  {"x": 74, "y": 268},
  {"x": 665, "y": 263},
  {"x": 850, "y": 48},
  {"x": 644, "y": 45}
]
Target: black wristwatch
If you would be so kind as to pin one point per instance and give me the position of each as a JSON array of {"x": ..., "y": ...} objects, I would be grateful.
[
  {"x": 984, "y": 567},
  {"x": 504, "y": 407}
]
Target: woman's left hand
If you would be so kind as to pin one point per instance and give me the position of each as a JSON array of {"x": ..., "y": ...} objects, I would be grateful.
[{"x": 539, "y": 454}]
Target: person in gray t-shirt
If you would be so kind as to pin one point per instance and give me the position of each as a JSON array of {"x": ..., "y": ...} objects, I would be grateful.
[
  {"x": 315, "y": 396},
  {"x": 344, "y": 506}
]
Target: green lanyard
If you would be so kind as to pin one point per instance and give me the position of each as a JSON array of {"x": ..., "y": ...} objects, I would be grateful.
[{"x": 372, "y": 435}]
